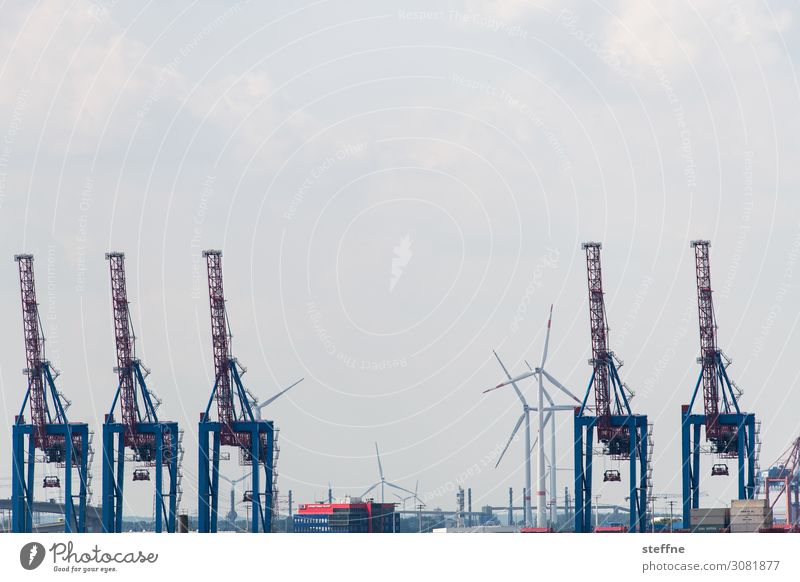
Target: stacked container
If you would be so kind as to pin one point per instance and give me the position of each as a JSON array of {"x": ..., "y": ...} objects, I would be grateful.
[
  {"x": 709, "y": 520},
  {"x": 750, "y": 515}
]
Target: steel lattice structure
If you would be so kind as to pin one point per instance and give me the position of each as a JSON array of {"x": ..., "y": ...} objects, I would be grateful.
[
  {"x": 223, "y": 362},
  {"x": 708, "y": 346},
  {"x": 730, "y": 431},
  {"x": 34, "y": 348},
  {"x": 599, "y": 336},
  {"x": 236, "y": 424},
  {"x": 784, "y": 476},
  {"x": 123, "y": 336},
  {"x": 62, "y": 443},
  {"x": 622, "y": 434},
  {"x": 152, "y": 442}
]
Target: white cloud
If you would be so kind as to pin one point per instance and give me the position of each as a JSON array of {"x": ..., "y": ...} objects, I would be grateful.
[
  {"x": 74, "y": 65},
  {"x": 642, "y": 33}
]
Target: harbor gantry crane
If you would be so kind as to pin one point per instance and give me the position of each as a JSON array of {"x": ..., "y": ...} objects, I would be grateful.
[
  {"x": 784, "y": 477},
  {"x": 730, "y": 432},
  {"x": 61, "y": 443},
  {"x": 238, "y": 423},
  {"x": 622, "y": 434},
  {"x": 152, "y": 443}
]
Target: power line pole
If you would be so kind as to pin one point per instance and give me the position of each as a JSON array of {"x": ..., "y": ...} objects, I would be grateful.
[{"x": 671, "y": 503}]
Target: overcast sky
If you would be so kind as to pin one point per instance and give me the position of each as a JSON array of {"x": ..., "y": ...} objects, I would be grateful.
[{"x": 397, "y": 191}]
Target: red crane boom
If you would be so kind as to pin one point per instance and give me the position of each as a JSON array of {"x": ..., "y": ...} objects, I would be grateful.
[
  {"x": 125, "y": 342},
  {"x": 708, "y": 341},
  {"x": 219, "y": 337},
  {"x": 34, "y": 349},
  {"x": 599, "y": 331}
]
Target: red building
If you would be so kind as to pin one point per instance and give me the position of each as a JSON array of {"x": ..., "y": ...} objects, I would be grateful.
[{"x": 350, "y": 515}]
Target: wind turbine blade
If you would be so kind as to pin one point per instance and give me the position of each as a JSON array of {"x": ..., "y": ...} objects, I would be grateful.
[
  {"x": 400, "y": 488},
  {"x": 364, "y": 495},
  {"x": 533, "y": 446},
  {"x": 558, "y": 385},
  {"x": 279, "y": 394},
  {"x": 510, "y": 380},
  {"x": 511, "y": 438},
  {"x": 240, "y": 479},
  {"x": 380, "y": 467},
  {"x": 547, "y": 337},
  {"x": 522, "y": 376}
]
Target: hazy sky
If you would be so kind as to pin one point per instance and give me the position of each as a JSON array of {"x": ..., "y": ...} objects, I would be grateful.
[{"x": 397, "y": 191}]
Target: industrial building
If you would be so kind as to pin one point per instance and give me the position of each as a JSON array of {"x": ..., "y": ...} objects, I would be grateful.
[{"x": 348, "y": 515}]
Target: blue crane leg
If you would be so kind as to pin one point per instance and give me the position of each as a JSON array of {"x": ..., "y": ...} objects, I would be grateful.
[
  {"x": 173, "y": 480},
  {"x": 119, "y": 482},
  {"x": 268, "y": 485},
  {"x": 159, "y": 443},
  {"x": 83, "y": 476},
  {"x": 579, "y": 477},
  {"x": 108, "y": 475},
  {"x": 18, "y": 479},
  {"x": 31, "y": 477},
  {"x": 696, "y": 466},
  {"x": 256, "y": 500},
  {"x": 216, "y": 437},
  {"x": 686, "y": 468},
  {"x": 68, "y": 508},
  {"x": 643, "y": 460},
  {"x": 587, "y": 512},
  {"x": 740, "y": 436},
  {"x": 202, "y": 488},
  {"x": 633, "y": 449},
  {"x": 751, "y": 456}
]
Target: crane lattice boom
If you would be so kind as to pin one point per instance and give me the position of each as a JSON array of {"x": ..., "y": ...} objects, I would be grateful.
[
  {"x": 34, "y": 348},
  {"x": 219, "y": 337},
  {"x": 599, "y": 331},
  {"x": 709, "y": 352},
  {"x": 126, "y": 355}
]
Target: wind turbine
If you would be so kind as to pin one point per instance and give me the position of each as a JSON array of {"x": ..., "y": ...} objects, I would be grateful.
[
  {"x": 232, "y": 515},
  {"x": 540, "y": 409},
  {"x": 412, "y": 496},
  {"x": 258, "y": 407},
  {"x": 383, "y": 482}
]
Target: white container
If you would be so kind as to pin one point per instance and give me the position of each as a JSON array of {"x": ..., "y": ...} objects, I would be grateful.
[{"x": 748, "y": 503}]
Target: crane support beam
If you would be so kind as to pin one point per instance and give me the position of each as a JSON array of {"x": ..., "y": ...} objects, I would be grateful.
[
  {"x": 745, "y": 449},
  {"x": 636, "y": 426},
  {"x": 62, "y": 443}
]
